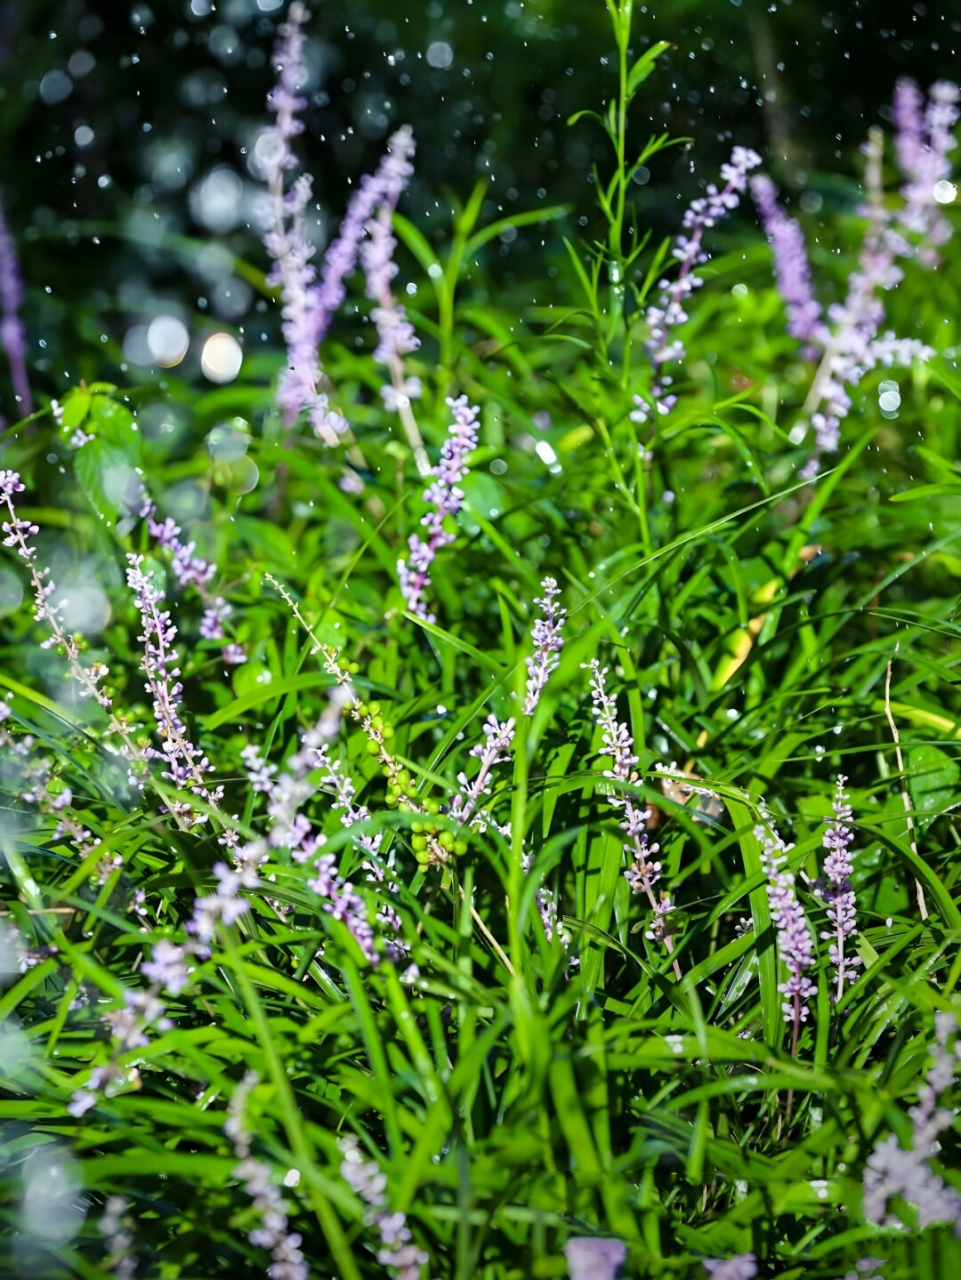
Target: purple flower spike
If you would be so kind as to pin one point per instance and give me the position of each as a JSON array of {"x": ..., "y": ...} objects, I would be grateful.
[
  {"x": 591, "y": 1258},
  {"x": 383, "y": 190},
  {"x": 895, "y": 1172},
  {"x": 791, "y": 264},
  {"x": 645, "y": 871},
  {"x": 187, "y": 766},
  {"x": 741, "y": 1267},
  {"x": 446, "y": 499},
  {"x": 668, "y": 312},
  {"x": 925, "y": 135},
  {"x": 11, "y": 326},
  {"x": 397, "y": 1248},
  {"x": 548, "y": 642},
  {"x": 837, "y": 892},
  {"x": 287, "y": 242},
  {"x": 795, "y": 943}
]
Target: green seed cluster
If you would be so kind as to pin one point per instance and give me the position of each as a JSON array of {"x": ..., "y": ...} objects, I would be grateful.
[
  {"x": 432, "y": 844},
  {"x": 378, "y": 729}
]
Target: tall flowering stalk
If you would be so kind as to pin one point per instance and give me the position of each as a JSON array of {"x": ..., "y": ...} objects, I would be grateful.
[
  {"x": 273, "y": 1233},
  {"x": 116, "y": 1227},
  {"x": 856, "y": 345},
  {"x": 645, "y": 872},
  {"x": 791, "y": 266},
  {"x": 446, "y": 499},
  {"x": 396, "y": 336},
  {"x": 11, "y": 326},
  {"x": 741, "y": 1267},
  {"x": 837, "y": 891},
  {"x": 187, "y": 766},
  {"x": 853, "y": 343},
  {"x": 669, "y": 310},
  {"x": 382, "y": 190},
  {"x": 894, "y": 1170},
  {"x": 795, "y": 942},
  {"x": 287, "y": 243},
  {"x": 307, "y": 305},
  {"x": 18, "y": 534},
  {"x": 189, "y": 569},
  {"x": 396, "y": 1248},
  {"x": 548, "y": 642},
  {"x": 128, "y": 1027},
  {"x": 493, "y": 750},
  {"x": 924, "y": 138}
]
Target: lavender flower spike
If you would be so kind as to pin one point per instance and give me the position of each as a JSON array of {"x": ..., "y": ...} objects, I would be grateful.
[
  {"x": 186, "y": 764},
  {"x": 923, "y": 139},
  {"x": 668, "y": 312},
  {"x": 794, "y": 936},
  {"x": 593, "y": 1258},
  {"x": 444, "y": 495},
  {"x": 11, "y": 326},
  {"x": 838, "y": 893},
  {"x": 548, "y": 642},
  {"x": 791, "y": 264},
  {"x": 397, "y": 1249},
  {"x": 273, "y": 1233},
  {"x": 741, "y": 1267},
  {"x": 644, "y": 872},
  {"x": 892, "y": 1171},
  {"x": 382, "y": 189},
  {"x": 287, "y": 243}
]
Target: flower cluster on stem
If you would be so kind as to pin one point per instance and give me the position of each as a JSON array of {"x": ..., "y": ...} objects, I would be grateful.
[
  {"x": 447, "y": 499},
  {"x": 191, "y": 570},
  {"x": 894, "y": 1171},
  {"x": 128, "y": 1027},
  {"x": 187, "y": 766},
  {"x": 287, "y": 242},
  {"x": 795, "y": 943},
  {"x": 491, "y": 751},
  {"x": 668, "y": 311},
  {"x": 837, "y": 891},
  {"x": 645, "y": 871},
  {"x": 791, "y": 267},
  {"x": 273, "y": 1233},
  {"x": 11, "y": 326},
  {"x": 923, "y": 140},
  {"x": 379, "y": 190},
  {"x": 397, "y": 1250},
  {"x": 548, "y": 639},
  {"x": 17, "y": 534},
  {"x": 225, "y": 906},
  {"x": 741, "y": 1267},
  {"x": 396, "y": 336},
  {"x": 116, "y": 1226}
]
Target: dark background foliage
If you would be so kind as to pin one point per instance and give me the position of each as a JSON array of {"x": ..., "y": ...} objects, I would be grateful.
[{"x": 113, "y": 115}]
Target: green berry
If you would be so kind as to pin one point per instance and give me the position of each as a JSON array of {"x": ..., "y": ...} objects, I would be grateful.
[
  {"x": 418, "y": 843},
  {"x": 373, "y": 748},
  {"x": 422, "y": 856},
  {"x": 417, "y": 827},
  {"x": 460, "y": 848},
  {"x": 446, "y": 840}
]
